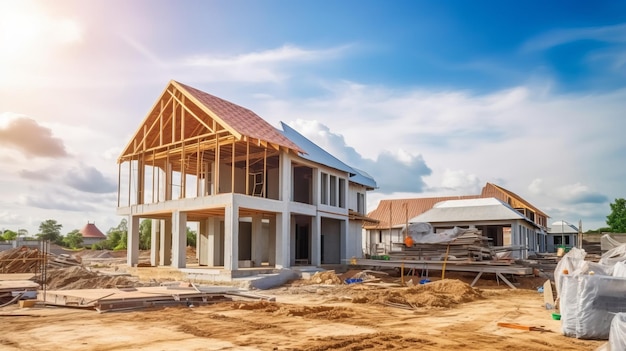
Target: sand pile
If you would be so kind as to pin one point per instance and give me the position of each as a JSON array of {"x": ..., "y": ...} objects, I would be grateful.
[
  {"x": 81, "y": 278},
  {"x": 443, "y": 293},
  {"x": 325, "y": 277}
]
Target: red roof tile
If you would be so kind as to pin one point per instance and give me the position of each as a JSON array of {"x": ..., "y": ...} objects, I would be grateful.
[
  {"x": 91, "y": 231},
  {"x": 241, "y": 119}
]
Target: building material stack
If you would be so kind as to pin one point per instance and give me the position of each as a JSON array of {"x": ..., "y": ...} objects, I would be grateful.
[{"x": 454, "y": 244}]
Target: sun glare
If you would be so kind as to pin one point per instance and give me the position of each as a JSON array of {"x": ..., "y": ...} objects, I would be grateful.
[{"x": 26, "y": 31}]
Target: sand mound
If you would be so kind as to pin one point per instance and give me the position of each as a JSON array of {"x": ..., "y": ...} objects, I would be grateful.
[
  {"x": 325, "y": 277},
  {"x": 81, "y": 278},
  {"x": 443, "y": 293}
]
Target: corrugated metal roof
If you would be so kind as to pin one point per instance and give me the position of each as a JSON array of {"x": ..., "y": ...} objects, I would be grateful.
[
  {"x": 418, "y": 206},
  {"x": 565, "y": 227},
  {"x": 469, "y": 210},
  {"x": 318, "y": 155}
]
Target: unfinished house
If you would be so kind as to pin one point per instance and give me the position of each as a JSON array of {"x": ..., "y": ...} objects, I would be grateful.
[
  {"x": 261, "y": 197},
  {"x": 393, "y": 216},
  {"x": 562, "y": 233}
]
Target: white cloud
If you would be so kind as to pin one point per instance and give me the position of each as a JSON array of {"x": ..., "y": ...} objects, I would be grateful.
[
  {"x": 273, "y": 65},
  {"x": 613, "y": 33},
  {"x": 461, "y": 182}
]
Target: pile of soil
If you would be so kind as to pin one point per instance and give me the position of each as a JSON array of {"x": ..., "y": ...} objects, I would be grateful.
[
  {"x": 325, "y": 277},
  {"x": 81, "y": 278},
  {"x": 443, "y": 294}
]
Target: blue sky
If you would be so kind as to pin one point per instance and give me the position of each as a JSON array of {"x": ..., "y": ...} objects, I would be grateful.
[{"x": 430, "y": 97}]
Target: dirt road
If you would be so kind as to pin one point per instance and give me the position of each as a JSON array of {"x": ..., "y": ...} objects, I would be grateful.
[{"x": 306, "y": 317}]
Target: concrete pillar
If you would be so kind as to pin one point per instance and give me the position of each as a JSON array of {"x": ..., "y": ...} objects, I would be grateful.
[
  {"x": 132, "y": 244},
  {"x": 271, "y": 245},
  {"x": 316, "y": 241},
  {"x": 256, "y": 240},
  {"x": 231, "y": 237},
  {"x": 285, "y": 178},
  {"x": 282, "y": 240},
  {"x": 165, "y": 250},
  {"x": 179, "y": 239},
  {"x": 203, "y": 243},
  {"x": 343, "y": 253},
  {"x": 155, "y": 242},
  {"x": 214, "y": 249}
]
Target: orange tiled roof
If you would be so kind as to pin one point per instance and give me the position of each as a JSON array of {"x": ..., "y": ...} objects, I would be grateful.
[
  {"x": 401, "y": 209},
  {"x": 241, "y": 119},
  {"x": 91, "y": 231}
]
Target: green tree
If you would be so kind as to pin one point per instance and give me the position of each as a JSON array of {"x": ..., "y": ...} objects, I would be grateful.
[
  {"x": 8, "y": 235},
  {"x": 73, "y": 239},
  {"x": 116, "y": 236},
  {"x": 617, "y": 219},
  {"x": 50, "y": 230},
  {"x": 145, "y": 234},
  {"x": 191, "y": 237}
]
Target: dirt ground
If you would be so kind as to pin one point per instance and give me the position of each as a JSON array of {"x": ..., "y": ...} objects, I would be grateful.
[
  {"x": 436, "y": 316},
  {"x": 318, "y": 314}
]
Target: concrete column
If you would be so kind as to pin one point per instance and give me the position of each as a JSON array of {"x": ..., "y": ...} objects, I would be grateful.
[
  {"x": 256, "y": 237},
  {"x": 214, "y": 248},
  {"x": 285, "y": 178},
  {"x": 231, "y": 237},
  {"x": 179, "y": 239},
  {"x": 155, "y": 242},
  {"x": 271, "y": 245},
  {"x": 165, "y": 250},
  {"x": 282, "y": 240},
  {"x": 203, "y": 243},
  {"x": 316, "y": 240},
  {"x": 132, "y": 244},
  {"x": 343, "y": 253}
]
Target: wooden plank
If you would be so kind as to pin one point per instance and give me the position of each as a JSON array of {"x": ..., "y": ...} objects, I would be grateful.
[
  {"x": 515, "y": 326},
  {"x": 548, "y": 295}
]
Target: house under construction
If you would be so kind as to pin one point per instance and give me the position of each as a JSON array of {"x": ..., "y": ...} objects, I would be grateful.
[{"x": 261, "y": 196}]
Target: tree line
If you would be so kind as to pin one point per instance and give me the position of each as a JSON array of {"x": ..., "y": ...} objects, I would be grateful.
[{"x": 116, "y": 237}]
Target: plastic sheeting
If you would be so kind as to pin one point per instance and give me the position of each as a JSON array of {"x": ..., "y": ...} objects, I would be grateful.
[
  {"x": 570, "y": 262},
  {"x": 617, "y": 254},
  {"x": 419, "y": 237},
  {"x": 617, "y": 336},
  {"x": 619, "y": 270},
  {"x": 590, "y": 293},
  {"x": 588, "y": 304}
]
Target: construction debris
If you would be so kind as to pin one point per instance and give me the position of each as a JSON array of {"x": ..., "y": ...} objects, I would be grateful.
[{"x": 30, "y": 260}]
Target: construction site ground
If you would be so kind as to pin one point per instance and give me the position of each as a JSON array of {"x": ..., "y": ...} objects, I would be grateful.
[{"x": 318, "y": 314}]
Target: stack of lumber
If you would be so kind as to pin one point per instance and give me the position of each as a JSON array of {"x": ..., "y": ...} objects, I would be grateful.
[
  {"x": 28, "y": 260},
  {"x": 469, "y": 246}
]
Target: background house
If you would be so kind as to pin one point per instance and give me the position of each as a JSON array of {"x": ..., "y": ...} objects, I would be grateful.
[
  {"x": 394, "y": 214},
  {"x": 503, "y": 225},
  {"x": 91, "y": 234},
  {"x": 562, "y": 233}
]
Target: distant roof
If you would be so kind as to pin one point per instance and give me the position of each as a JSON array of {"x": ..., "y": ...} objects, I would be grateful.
[
  {"x": 91, "y": 231},
  {"x": 559, "y": 227},
  {"x": 399, "y": 209},
  {"x": 318, "y": 155},
  {"x": 469, "y": 210}
]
